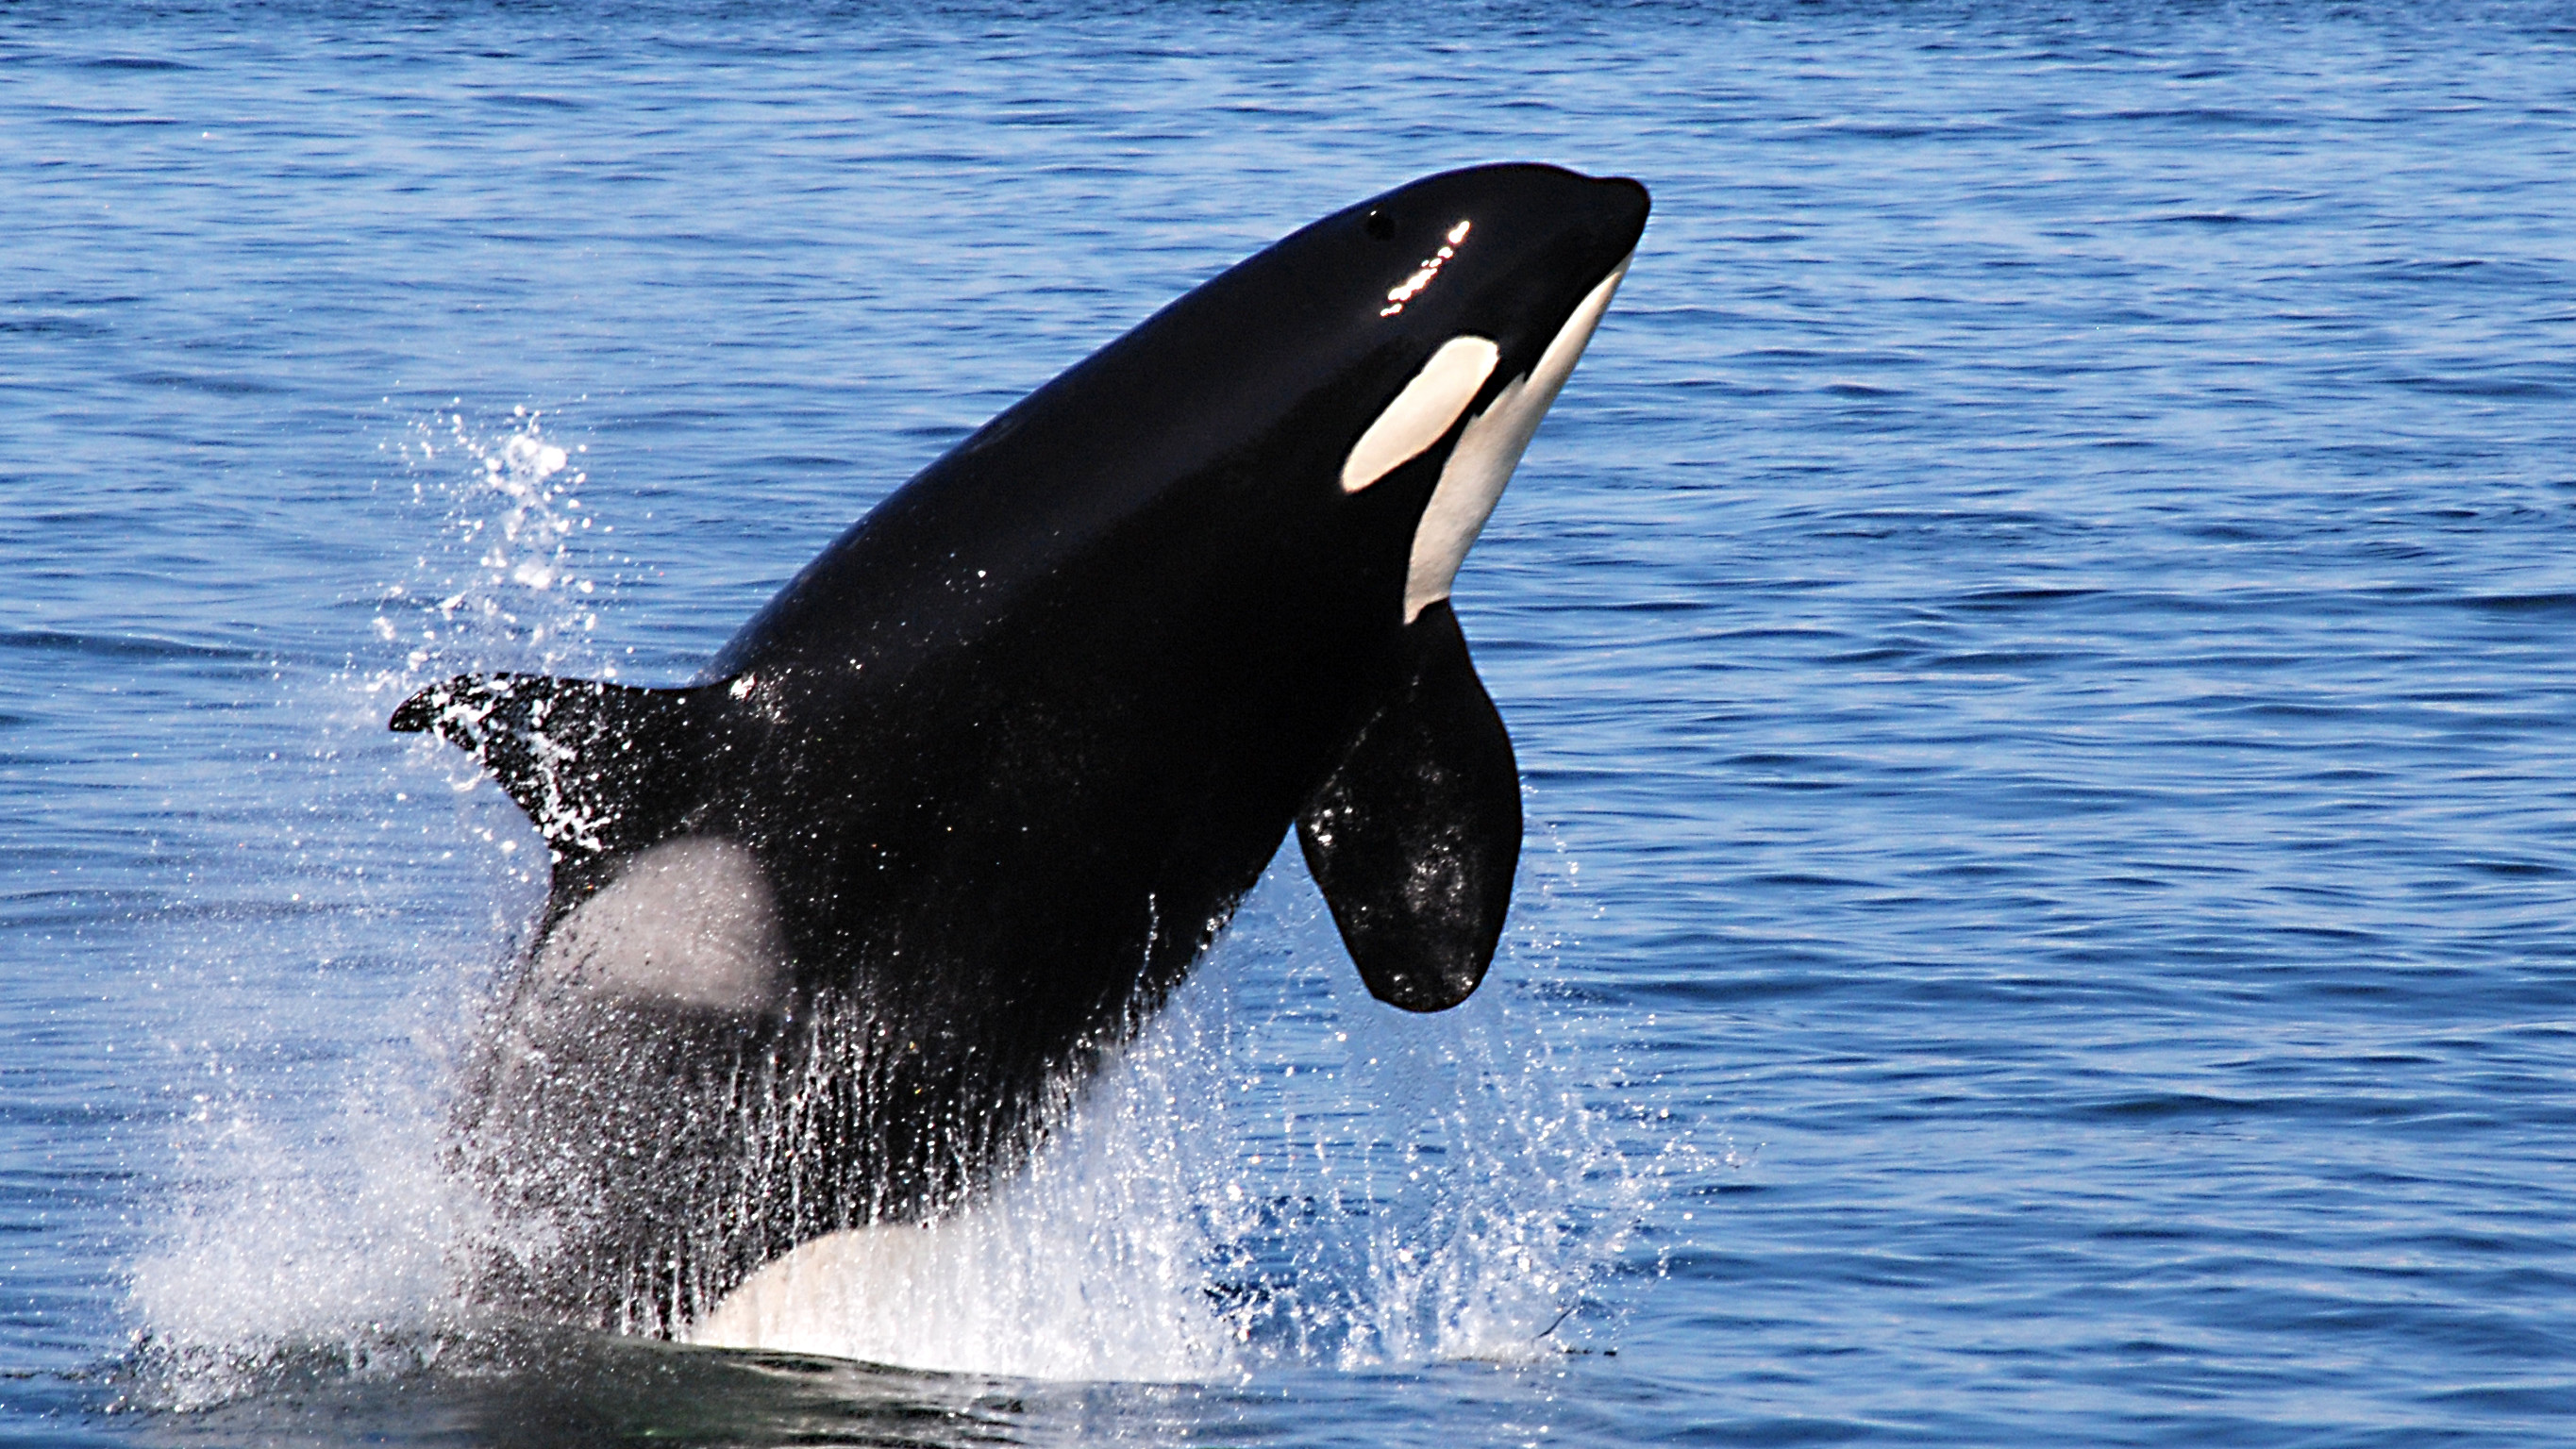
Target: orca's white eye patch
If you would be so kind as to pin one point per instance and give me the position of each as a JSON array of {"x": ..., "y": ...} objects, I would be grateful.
[{"x": 1422, "y": 412}]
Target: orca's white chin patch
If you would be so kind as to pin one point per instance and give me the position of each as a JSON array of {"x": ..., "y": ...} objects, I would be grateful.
[{"x": 1487, "y": 451}]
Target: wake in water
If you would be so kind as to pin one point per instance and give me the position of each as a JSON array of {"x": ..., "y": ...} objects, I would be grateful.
[{"x": 1278, "y": 1169}]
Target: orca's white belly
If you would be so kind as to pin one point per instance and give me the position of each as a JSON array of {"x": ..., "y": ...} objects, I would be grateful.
[{"x": 857, "y": 1293}]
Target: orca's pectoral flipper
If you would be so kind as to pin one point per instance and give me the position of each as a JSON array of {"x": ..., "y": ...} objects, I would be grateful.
[
  {"x": 591, "y": 762},
  {"x": 1415, "y": 837}
]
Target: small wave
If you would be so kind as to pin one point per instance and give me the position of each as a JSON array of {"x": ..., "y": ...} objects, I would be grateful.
[
  {"x": 52, "y": 327},
  {"x": 134, "y": 63},
  {"x": 2539, "y": 603},
  {"x": 219, "y": 384},
  {"x": 532, "y": 101},
  {"x": 120, "y": 646}
]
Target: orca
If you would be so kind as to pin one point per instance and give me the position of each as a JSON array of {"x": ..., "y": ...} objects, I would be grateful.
[{"x": 836, "y": 930}]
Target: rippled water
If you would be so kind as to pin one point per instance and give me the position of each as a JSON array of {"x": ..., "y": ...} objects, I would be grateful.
[{"x": 2038, "y": 639}]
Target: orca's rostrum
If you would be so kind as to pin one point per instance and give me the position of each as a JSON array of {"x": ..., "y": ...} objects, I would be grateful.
[{"x": 831, "y": 931}]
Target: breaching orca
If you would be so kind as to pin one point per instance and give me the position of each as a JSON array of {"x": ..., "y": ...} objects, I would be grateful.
[{"x": 833, "y": 930}]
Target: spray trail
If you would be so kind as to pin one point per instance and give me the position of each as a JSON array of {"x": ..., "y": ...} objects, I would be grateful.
[{"x": 312, "y": 1221}]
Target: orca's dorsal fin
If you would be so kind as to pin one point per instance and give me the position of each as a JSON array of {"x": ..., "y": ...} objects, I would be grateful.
[
  {"x": 594, "y": 764},
  {"x": 1416, "y": 835}
]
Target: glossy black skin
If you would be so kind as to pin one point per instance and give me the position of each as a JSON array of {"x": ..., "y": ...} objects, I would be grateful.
[{"x": 1011, "y": 749}]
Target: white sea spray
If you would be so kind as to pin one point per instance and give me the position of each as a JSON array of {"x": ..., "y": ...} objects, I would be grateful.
[{"x": 306, "y": 1224}]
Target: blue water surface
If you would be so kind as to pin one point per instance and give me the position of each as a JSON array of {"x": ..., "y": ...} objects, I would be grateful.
[{"x": 2039, "y": 640}]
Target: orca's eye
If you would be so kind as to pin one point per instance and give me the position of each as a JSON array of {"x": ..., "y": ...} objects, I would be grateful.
[{"x": 1380, "y": 225}]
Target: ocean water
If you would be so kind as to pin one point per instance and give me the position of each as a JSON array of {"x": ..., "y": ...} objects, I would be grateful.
[{"x": 2039, "y": 641}]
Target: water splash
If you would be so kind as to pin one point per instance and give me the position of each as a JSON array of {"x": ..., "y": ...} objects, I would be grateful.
[
  {"x": 510, "y": 581},
  {"x": 1278, "y": 1171},
  {"x": 506, "y": 581},
  {"x": 1397, "y": 1189},
  {"x": 335, "y": 1249},
  {"x": 310, "y": 1226}
]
